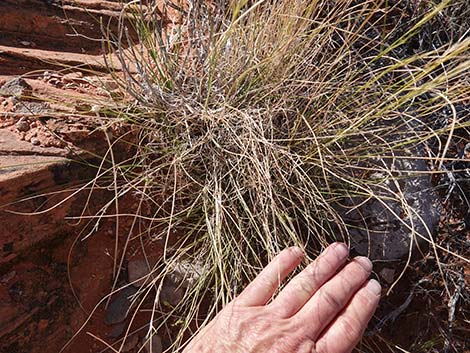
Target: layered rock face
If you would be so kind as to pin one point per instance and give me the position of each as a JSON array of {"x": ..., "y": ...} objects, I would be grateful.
[
  {"x": 50, "y": 55},
  {"x": 34, "y": 33}
]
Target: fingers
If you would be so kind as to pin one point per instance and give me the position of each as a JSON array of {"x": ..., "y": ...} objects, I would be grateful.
[
  {"x": 302, "y": 287},
  {"x": 347, "y": 329},
  {"x": 263, "y": 287},
  {"x": 333, "y": 296}
]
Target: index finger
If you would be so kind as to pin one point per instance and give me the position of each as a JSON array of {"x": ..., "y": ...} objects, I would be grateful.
[{"x": 263, "y": 287}]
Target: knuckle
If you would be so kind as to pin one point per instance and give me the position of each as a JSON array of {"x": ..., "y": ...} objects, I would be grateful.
[
  {"x": 276, "y": 310},
  {"x": 330, "y": 299},
  {"x": 364, "y": 297},
  {"x": 347, "y": 282},
  {"x": 269, "y": 282},
  {"x": 305, "y": 285},
  {"x": 327, "y": 264},
  {"x": 352, "y": 329},
  {"x": 319, "y": 269}
]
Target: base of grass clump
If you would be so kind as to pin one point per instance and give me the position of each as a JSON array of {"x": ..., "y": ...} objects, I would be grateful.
[{"x": 267, "y": 124}]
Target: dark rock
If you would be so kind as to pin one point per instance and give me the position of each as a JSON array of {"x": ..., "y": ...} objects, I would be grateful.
[
  {"x": 16, "y": 87},
  {"x": 137, "y": 272},
  {"x": 153, "y": 344},
  {"x": 8, "y": 312},
  {"x": 8, "y": 277},
  {"x": 22, "y": 125},
  {"x": 117, "y": 330},
  {"x": 386, "y": 228},
  {"x": 119, "y": 307},
  {"x": 171, "y": 293},
  {"x": 130, "y": 343},
  {"x": 183, "y": 275},
  {"x": 43, "y": 324},
  {"x": 388, "y": 275}
]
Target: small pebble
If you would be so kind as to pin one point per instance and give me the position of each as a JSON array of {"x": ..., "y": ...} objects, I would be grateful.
[
  {"x": 42, "y": 325},
  {"x": 35, "y": 141},
  {"x": 388, "y": 274},
  {"x": 22, "y": 125}
]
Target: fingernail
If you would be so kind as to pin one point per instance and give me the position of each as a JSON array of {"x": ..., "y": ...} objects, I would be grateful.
[
  {"x": 364, "y": 262},
  {"x": 374, "y": 287},
  {"x": 341, "y": 250}
]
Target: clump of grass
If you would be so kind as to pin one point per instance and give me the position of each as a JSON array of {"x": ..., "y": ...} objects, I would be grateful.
[{"x": 256, "y": 119}]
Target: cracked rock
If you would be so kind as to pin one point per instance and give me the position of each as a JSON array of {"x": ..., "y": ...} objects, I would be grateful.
[
  {"x": 184, "y": 274},
  {"x": 387, "y": 228}
]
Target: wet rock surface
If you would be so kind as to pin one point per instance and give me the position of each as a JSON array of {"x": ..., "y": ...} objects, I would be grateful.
[
  {"x": 406, "y": 215},
  {"x": 120, "y": 305}
]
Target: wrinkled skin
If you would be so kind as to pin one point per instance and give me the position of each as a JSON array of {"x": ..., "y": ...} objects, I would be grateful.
[{"x": 324, "y": 309}]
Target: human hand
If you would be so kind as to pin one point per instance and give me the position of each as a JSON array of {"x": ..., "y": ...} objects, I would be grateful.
[{"x": 324, "y": 309}]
